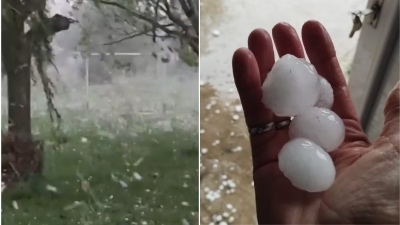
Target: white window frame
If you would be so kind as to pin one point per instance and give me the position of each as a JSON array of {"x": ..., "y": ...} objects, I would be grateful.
[{"x": 375, "y": 49}]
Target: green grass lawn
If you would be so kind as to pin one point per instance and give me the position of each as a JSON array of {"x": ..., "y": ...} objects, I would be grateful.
[{"x": 149, "y": 178}]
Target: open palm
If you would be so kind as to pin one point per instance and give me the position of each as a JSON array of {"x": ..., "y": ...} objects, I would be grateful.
[{"x": 366, "y": 188}]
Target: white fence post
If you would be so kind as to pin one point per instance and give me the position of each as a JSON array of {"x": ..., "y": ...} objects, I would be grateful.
[{"x": 87, "y": 82}]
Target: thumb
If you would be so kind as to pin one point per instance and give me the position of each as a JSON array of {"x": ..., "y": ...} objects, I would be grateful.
[{"x": 391, "y": 112}]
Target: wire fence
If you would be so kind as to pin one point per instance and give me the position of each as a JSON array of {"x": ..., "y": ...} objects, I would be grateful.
[{"x": 155, "y": 91}]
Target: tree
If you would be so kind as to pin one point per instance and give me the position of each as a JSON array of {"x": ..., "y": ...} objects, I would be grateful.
[
  {"x": 178, "y": 19},
  {"x": 19, "y": 48}
]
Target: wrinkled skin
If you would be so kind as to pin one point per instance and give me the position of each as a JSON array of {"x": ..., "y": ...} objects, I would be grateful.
[{"x": 366, "y": 188}]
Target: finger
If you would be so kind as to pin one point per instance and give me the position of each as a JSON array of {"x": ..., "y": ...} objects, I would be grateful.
[
  {"x": 321, "y": 52},
  {"x": 247, "y": 79},
  {"x": 392, "y": 113},
  {"x": 322, "y": 55},
  {"x": 248, "y": 83},
  {"x": 287, "y": 42},
  {"x": 260, "y": 44}
]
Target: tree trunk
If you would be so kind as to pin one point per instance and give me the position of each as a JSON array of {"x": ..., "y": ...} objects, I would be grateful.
[
  {"x": 17, "y": 47},
  {"x": 19, "y": 95},
  {"x": 16, "y": 60},
  {"x": 16, "y": 53}
]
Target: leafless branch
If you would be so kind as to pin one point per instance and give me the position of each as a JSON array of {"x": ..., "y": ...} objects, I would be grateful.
[
  {"x": 142, "y": 17},
  {"x": 156, "y": 19},
  {"x": 174, "y": 18},
  {"x": 180, "y": 28},
  {"x": 127, "y": 38}
]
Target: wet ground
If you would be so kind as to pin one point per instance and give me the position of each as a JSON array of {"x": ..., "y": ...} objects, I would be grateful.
[
  {"x": 226, "y": 173},
  {"x": 226, "y": 181}
]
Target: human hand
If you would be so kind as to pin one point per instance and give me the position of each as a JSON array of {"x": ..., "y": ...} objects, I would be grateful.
[{"x": 366, "y": 187}]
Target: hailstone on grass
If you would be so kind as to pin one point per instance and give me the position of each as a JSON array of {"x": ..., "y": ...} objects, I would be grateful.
[
  {"x": 291, "y": 87},
  {"x": 306, "y": 165},
  {"x": 325, "y": 99},
  {"x": 322, "y": 126}
]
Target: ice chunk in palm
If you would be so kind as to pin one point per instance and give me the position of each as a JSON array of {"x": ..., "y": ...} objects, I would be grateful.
[
  {"x": 325, "y": 94},
  {"x": 291, "y": 87},
  {"x": 306, "y": 165},
  {"x": 322, "y": 126}
]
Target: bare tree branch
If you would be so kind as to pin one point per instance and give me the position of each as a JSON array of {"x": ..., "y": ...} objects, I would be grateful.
[
  {"x": 156, "y": 19},
  {"x": 142, "y": 17},
  {"x": 127, "y": 38},
  {"x": 194, "y": 17},
  {"x": 174, "y": 18},
  {"x": 181, "y": 28}
]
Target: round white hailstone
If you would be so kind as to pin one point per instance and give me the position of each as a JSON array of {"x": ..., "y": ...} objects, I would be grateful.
[
  {"x": 322, "y": 126},
  {"x": 216, "y": 33},
  {"x": 216, "y": 142},
  {"x": 291, "y": 87},
  {"x": 217, "y": 218},
  {"x": 238, "y": 108},
  {"x": 325, "y": 99},
  {"x": 306, "y": 165}
]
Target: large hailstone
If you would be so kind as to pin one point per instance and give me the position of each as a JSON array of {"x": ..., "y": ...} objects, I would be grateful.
[
  {"x": 306, "y": 165},
  {"x": 325, "y": 99},
  {"x": 291, "y": 87},
  {"x": 322, "y": 126}
]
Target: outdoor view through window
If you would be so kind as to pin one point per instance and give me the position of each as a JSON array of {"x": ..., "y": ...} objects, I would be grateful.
[{"x": 99, "y": 112}]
